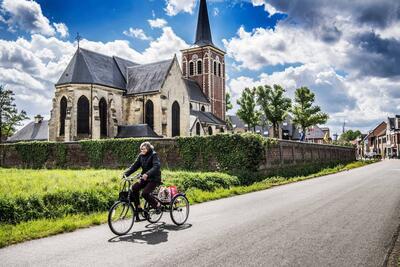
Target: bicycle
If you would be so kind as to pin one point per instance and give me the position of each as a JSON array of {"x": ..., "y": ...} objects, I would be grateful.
[{"x": 121, "y": 216}]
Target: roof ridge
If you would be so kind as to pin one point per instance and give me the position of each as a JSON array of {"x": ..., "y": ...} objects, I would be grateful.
[
  {"x": 156, "y": 62},
  {"x": 87, "y": 65}
]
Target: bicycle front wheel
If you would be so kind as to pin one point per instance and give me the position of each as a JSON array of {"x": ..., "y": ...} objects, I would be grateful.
[
  {"x": 179, "y": 209},
  {"x": 121, "y": 218}
]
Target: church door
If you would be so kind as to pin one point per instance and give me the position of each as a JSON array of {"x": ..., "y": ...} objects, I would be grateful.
[
  {"x": 103, "y": 117},
  {"x": 150, "y": 114},
  {"x": 175, "y": 119},
  {"x": 83, "y": 115},
  {"x": 63, "y": 115}
]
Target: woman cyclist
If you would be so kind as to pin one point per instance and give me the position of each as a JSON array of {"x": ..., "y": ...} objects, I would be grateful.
[{"x": 149, "y": 161}]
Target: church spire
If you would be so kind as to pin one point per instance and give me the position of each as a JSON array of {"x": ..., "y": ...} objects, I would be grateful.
[{"x": 203, "y": 34}]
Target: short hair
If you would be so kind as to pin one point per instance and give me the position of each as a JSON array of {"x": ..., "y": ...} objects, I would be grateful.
[{"x": 147, "y": 145}]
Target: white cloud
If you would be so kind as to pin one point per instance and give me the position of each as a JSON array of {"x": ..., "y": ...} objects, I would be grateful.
[
  {"x": 26, "y": 15},
  {"x": 137, "y": 33},
  {"x": 269, "y": 8},
  {"x": 282, "y": 45},
  {"x": 215, "y": 11},
  {"x": 62, "y": 29},
  {"x": 176, "y": 6},
  {"x": 165, "y": 46},
  {"x": 157, "y": 23}
]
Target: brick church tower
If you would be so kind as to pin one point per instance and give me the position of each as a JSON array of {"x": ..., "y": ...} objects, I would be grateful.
[{"x": 205, "y": 63}]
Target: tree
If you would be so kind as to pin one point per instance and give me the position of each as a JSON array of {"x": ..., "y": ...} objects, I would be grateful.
[
  {"x": 9, "y": 116},
  {"x": 228, "y": 102},
  {"x": 350, "y": 135},
  {"x": 274, "y": 105},
  {"x": 304, "y": 113},
  {"x": 228, "y": 106},
  {"x": 247, "y": 111}
]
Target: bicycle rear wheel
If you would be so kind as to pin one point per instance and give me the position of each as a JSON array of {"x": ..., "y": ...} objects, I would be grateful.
[
  {"x": 151, "y": 215},
  {"x": 179, "y": 209},
  {"x": 121, "y": 218}
]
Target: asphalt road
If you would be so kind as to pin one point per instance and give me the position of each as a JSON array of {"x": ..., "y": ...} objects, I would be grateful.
[{"x": 346, "y": 219}]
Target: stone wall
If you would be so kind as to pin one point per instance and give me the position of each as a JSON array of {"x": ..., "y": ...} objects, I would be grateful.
[{"x": 286, "y": 155}]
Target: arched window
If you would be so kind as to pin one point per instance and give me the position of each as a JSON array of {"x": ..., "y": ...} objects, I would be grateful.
[
  {"x": 103, "y": 116},
  {"x": 83, "y": 115},
  {"x": 191, "y": 68},
  {"x": 219, "y": 69},
  {"x": 210, "y": 132},
  {"x": 63, "y": 114},
  {"x": 215, "y": 67},
  {"x": 191, "y": 106},
  {"x": 175, "y": 119},
  {"x": 221, "y": 130},
  {"x": 150, "y": 114},
  {"x": 203, "y": 108},
  {"x": 199, "y": 67},
  {"x": 198, "y": 128}
]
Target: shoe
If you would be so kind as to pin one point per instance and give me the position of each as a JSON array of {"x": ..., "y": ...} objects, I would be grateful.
[{"x": 158, "y": 210}]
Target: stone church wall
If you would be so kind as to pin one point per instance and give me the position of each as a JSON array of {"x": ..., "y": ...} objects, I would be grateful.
[{"x": 280, "y": 158}]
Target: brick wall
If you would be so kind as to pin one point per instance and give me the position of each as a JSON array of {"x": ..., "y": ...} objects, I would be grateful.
[{"x": 286, "y": 155}]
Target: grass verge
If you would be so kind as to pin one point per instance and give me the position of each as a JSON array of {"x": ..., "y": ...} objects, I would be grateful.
[{"x": 23, "y": 231}]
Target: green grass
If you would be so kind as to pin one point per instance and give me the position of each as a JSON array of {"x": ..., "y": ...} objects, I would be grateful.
[{"x": 34, "y": 184}]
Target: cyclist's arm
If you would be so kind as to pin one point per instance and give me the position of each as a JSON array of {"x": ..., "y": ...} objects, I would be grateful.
[
  {"x": 156, "y": 166},
  {"x": 134, "y": 167}
]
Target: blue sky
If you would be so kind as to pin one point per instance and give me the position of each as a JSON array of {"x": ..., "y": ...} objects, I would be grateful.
[{"x": 346, "y": 52}]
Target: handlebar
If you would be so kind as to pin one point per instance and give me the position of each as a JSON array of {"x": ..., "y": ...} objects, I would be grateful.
[{"x": 129, "y": 179}]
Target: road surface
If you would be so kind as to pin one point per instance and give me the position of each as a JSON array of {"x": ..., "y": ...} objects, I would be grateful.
[{"x": 345, "y": 219}]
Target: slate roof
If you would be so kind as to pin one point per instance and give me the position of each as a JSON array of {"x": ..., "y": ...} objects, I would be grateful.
[
  {"x": 207, "y": 117},
  {"x": 203, "y": 33},
  {"x": 137, "y": 130},
  {"x": 195, "y": 92},
  {"x": 32, "y": 132},
  {"x": 88, "y": 67},
  {"x": 315, "y": 133},
  {"x": 148, "y": 77}
]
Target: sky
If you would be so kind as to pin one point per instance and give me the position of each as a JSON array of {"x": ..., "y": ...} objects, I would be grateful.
[{"x": 346, "y": 52}]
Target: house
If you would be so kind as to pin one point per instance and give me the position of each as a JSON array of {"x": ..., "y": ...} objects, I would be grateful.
[
  {"x": 318, "y": 135},
  {"x": 287, "y": 130},
  {"x": 377, "y": 140},
  {"x": 37, "y": 130},
  {"x": 393, "y": 137},
  {"x": 100, "y": 96}
]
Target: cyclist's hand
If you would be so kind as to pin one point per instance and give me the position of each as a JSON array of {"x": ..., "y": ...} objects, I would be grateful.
[{"x": 144, "y": 177}]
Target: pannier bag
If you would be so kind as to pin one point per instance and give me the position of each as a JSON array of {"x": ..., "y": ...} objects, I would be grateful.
[{"x": 167, "y": 193}]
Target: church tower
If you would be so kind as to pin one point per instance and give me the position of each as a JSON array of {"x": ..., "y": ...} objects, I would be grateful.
[{"x": 205, "y": 63}]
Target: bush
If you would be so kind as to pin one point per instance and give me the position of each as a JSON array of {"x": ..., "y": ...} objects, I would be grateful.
[{"x": 224, "y": 151}]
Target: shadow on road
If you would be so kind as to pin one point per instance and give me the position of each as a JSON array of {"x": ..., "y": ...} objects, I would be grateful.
[{"x": 155, "y": 234}]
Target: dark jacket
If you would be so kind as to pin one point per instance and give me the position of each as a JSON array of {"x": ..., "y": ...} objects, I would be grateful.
[{"x": 150, "y": 164}]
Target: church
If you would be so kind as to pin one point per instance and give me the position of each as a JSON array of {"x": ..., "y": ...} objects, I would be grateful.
[{"x": 101, "y": 96}]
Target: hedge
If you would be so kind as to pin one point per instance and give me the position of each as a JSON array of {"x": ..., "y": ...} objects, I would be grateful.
[
  {"x": 222, "y": 152},
  {"x": 67, "y": 196}
]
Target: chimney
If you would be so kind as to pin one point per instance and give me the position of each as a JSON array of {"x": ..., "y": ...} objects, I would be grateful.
[{"x": 38, "y": 119}]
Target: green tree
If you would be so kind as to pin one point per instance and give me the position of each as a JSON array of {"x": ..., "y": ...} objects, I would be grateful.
[
  {"x": 350, "y": 135},
  {"x": 274, "y": 105},
  {"x": 228, "y": 106},
  {"x": 248, "y": 109},
  {"x": 304, "y": 113},
  {"x": 9, "y": 116}
]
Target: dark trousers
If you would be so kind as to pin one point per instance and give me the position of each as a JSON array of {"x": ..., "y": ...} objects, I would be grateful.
[{"x": 148, "y": 187}]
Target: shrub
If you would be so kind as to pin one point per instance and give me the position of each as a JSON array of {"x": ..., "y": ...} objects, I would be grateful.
[{"x": 224, "y": 151}]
